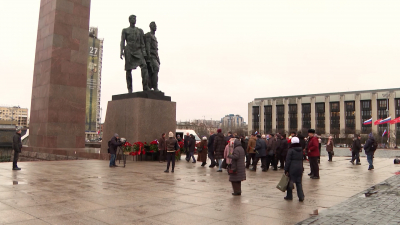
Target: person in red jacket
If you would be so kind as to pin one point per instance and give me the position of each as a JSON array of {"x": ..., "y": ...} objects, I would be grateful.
[{"x": 313, "y": 154}]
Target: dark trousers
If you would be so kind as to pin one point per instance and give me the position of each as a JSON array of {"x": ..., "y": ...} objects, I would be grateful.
[
  {"x": 171, "y": 157},
  {"x": 237, "y": 186},
  {"x": 16, "y": 155},
  {"x": 162, "y": 155},
  {"x": 250, "y": 159},
  {"x": 187, "y": 153},
  {"x": 212, "y": 158},
  {"x": 271, "y": 160},
  {"x": 319, "y": 157},
  {"x": 263, "y": 162},
  {"x": 355, "y": 155},
  {"x": 112, "y": 160},
  {"x": 314, "y": 166},
  {"x": 330, "y": 156},
  {"x": 282, "y": 159},
  {"x": 300, "y": 192}
]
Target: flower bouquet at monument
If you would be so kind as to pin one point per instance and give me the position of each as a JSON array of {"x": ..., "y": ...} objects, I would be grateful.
[
  {"x": 137, "y": 148},
  {"x": 179, "y": 151},
  {"x": 153, "y": 147},
  {"x": 127, "y": 148}
]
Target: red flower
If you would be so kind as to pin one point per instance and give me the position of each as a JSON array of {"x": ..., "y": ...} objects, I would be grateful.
[{"x": 151, "y": 151}]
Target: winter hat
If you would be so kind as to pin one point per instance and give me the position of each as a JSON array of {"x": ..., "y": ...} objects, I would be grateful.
[
  {"x": 204, "y": 138},
  {"x": 295, "y": 140},
  {"x": 219, "y": 131},
  {"x": 170, "y": 134},
  {"x": 116, "y": 135}
]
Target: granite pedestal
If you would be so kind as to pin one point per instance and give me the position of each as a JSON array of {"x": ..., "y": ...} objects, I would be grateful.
[{"x": 140, "y": 116}]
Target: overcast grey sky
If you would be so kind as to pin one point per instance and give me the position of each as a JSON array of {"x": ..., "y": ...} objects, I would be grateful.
[{"x": 217, "y": 55}]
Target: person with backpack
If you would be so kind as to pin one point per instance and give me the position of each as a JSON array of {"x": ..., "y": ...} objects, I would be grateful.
[
  {"x": 355, "y": 150},
  {"x": 370, "y": 148},
  {"x": 113, "y": 145}
]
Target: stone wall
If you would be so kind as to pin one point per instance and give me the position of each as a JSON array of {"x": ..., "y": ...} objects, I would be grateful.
[{"x": 25, "y": 156}]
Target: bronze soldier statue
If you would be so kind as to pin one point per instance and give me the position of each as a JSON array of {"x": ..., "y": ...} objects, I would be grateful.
[
  {"x": 153, "y": 61},
  {"x": 134, "y": 52}
]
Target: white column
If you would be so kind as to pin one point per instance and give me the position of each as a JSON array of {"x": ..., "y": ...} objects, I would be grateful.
[
  {"x": 313, "y": 121},
  {"x": 262, "y": 117},
  {"x": 392, "y": 113},
  {"x": 250, "y": 117},
  {"x": 286, "y": 114},
  {"x": 299, "y": 115},
  {"x": 374, "y": 109},
  {"x": 342, "y": 116},
  {"x": 273, "y": 115},
  {"x": 358, "y": 112},
  {"x": 327, "y": 115}
]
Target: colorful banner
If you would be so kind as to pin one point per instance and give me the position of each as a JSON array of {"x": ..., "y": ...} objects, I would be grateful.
[
  {"x": 394, "y": 121},
  {"x": 92, "y": 85},
  {"x": 384, "y": 121},
  {"x": 368, "y": 122}
]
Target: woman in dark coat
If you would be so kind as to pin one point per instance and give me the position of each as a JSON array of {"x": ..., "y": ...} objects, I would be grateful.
[
  {"x": 192, "y": 147},
  {"x": 294, "y": 169},
  {"x": 202, "y": 152},
  {"x": 329, "y": 148},
  {"x": 239, "y": 166},
  {"x": 219, "y": 148}
]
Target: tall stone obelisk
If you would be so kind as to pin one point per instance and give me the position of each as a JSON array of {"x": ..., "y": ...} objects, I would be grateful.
[{"x": 57, "y": 117}]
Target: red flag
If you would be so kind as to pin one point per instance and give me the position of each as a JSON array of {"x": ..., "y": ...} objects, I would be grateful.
[{"x": 377, "y": 122}]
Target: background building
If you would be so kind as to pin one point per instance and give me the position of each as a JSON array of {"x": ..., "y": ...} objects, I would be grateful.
[
  {"x": 338, "y": 114},
  {"x": 232, "y": 120},
  {"x": 93, "y": 90},
  {"x": 15, "y": 115}
]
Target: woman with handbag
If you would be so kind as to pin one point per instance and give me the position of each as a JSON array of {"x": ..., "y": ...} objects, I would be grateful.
[
  {"x": 329, "y": 148},
  {"x": 202, "y": 152},
  {"x": 294, "y": 169},
  {"x": 237, "y": 167}
]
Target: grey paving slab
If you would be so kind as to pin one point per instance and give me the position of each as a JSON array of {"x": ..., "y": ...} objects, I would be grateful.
[{"x": 89, "y": 192}]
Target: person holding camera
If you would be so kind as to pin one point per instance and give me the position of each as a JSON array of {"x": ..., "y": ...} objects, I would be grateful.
[{"x": 114, "y": 143}]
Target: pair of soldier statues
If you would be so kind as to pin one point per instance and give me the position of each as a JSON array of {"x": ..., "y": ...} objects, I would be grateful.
[{"x": 141, "y": 50}]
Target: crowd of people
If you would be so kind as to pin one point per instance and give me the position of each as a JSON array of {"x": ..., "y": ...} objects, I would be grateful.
[{"x": 238, "y": 153}]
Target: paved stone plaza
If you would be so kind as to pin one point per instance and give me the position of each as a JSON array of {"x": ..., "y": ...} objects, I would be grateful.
[{"x": 89, "y": 192}]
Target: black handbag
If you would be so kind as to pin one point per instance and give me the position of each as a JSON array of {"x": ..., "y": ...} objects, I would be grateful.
[{"x": 224, "y": 165}]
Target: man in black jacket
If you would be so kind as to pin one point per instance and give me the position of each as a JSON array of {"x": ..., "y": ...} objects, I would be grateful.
[
  {"x": 17, "y": 147},
  {"x": 114, "y": 143},
  {"x": 355, "y": 151},
  {"x": 186, "y": 140},
  {"x": 211, "y": 149}
]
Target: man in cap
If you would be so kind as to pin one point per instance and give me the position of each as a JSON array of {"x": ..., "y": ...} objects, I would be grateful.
[
  {"x": 17, "y": 147},
  {"x": 114, "y": 143},
  {"x": 313, "y": 154}
]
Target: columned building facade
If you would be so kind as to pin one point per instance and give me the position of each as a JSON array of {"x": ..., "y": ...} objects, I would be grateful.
[{"x": 340, "y": 114}]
